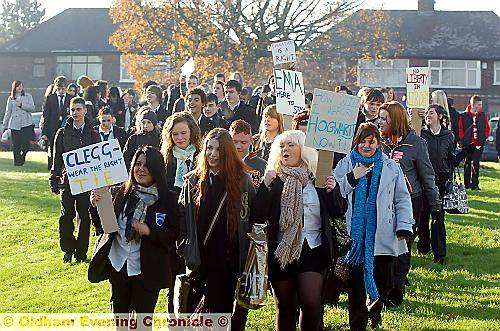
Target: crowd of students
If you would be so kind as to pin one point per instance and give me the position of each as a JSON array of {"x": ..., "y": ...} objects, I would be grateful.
[{"x": 208, "y": 163}]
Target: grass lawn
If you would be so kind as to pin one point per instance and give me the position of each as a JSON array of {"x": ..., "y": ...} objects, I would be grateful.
[{"x": 462, "y": 295}]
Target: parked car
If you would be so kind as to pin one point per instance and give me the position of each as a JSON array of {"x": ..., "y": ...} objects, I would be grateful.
[
  {"x": 490, "y": 152},
  {"x": 6, "y": 140}
]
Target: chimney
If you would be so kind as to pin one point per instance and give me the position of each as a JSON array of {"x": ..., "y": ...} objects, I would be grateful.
[{"x": 426, "y": 5}]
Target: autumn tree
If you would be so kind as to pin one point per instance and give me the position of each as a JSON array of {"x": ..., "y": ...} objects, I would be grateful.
[{"x": 19, "y": 16}]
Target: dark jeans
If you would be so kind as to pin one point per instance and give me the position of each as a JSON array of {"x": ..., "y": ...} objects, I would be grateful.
[
  {"x": 21, "y": 144},
  {"x": 383, "y": 270},
  {"x": 471, "y": 168},
  {"x": 436, "y": 237},
  {"x": 67, "y": 241},
  {"x": 403, "y": 262}
]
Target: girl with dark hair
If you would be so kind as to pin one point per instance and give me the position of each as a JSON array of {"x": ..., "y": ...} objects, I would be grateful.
[
  {"x": 442, "y": 153},
  {"x": 72, "y": 90},
  {"x": 138, "y": 256},
  {"x": 91, "y": 94},
  {"x": 219, "y": 182},
  {"x": 270, "y": 127},
  {"x": 299, "y": 234},
  {"x": 379, "y": 218},
  {"x": 115, "y": 102},
  {"x": 18, "y": 119},
  {"x": 154, "y": 95},
  {"x": 410, "y": 152}
]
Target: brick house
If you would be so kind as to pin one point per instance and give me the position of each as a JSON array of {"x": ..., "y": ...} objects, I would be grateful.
[
  {"x": 461, "y": 48},
  {"x": 72, "y": 43}
]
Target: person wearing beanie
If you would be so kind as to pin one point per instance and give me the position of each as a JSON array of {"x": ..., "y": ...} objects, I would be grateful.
[
  {"x": 84, "y": 82},
  {"x": 147, "y": 135}
]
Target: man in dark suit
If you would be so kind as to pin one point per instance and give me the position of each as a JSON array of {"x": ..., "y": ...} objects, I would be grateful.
[
  {"x": 238, "y": 109},
  {"x": 55, "y": 113}
]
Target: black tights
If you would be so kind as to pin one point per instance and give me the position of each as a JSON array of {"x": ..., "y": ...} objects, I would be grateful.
[{"x": 305, "y": 290}]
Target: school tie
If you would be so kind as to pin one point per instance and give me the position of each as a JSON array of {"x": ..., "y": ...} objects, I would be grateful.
[
  {"x": 104, "y": 136},
  {"x": 61, "y": 103}
]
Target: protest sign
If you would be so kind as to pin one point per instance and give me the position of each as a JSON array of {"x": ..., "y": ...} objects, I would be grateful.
[
  {"x": 290, "y": 94},
  {"x": 417, "y": 87},
  {"x": 95, "y": 166},
  {"x": 188, "y": 67},
  {"x": 283, "y": 52},
  {"x": 332, "y": 121},
  {"x": 106, "y": 210}
]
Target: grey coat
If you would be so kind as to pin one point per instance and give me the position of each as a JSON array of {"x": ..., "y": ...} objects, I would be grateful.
[
  {"x": 16, "y": 117},
  {"x": 394, "y": 211}
]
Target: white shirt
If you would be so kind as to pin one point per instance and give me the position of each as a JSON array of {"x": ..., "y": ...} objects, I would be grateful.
[
  {"x": 233, "y": 108},
  {"x": 311, "y": 231},
  {"x": 110, "y": 132},
  {"x": 123, "y": 251}
]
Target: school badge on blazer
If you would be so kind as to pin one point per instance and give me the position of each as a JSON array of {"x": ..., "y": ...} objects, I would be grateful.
[{"x": 160, "y": 219}]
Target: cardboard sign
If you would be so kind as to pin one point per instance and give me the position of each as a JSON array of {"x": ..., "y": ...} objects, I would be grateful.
[
  {"x": 106, "y": 210},
  {"x": 95, "y": 166},
  {"x": 290, "y": 93},
  {"x": 283, "y": 52},
  {"x": 324, "y": 169},
  {"x": 417, "y": 87},
  {"x": 332, "y": 121}
]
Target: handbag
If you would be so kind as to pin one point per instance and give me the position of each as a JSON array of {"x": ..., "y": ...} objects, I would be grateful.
[
  {"x": 341, "y": 239},
  {"x": 336, "y": 281},
  {"x": 251, "y": 288},
  {"x": 188, "y": 287},
  {"x": 455, "y": 198},
  {"x": 99, "y": 263}
]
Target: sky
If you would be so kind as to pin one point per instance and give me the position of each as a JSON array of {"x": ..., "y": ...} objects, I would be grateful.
[{"x": 54, "y": 7}]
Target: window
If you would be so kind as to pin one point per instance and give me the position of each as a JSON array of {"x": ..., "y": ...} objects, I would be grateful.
[
  {"x": 124, "y": 75},
  {"x": 455, "y": 73},
  {"x": 73, "y": 66},
  {"x": 379, "y": 73},
  {"x": 496, "y": 75},
  {"x": 38, "y": 67}
]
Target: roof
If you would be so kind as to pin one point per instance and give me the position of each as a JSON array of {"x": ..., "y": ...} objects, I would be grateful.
[
  {"x": 74, "y": 30},
  {"x": 441, "y": 34}
]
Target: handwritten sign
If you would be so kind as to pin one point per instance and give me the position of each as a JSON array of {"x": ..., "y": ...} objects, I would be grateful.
[
  {"x": 283, "y": 52},
  {"x": 417, "y": 87},
  {"x": 95, "y": 166},
  {"x": 332, "y": 121},
  {"x": 290, "y": 94}
]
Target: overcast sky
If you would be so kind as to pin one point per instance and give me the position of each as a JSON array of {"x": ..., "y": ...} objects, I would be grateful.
[{"x": 54, "y": 7}]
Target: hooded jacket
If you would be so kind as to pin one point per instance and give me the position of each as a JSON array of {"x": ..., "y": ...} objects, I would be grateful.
[{"x": 441, "y": 148}]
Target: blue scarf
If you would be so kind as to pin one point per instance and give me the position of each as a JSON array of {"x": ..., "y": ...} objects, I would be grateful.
[
  {"x": 182, "y": 155},
  {"x": 364, "y": 220}
]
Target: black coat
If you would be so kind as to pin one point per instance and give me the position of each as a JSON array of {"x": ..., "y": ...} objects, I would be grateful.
[
  {"x": 206, "y": 124},
  {"x": 246, "y": 113},
  {"x": 68, "y": 139},
  {"x": 179, "y": 105},
  {"x": 52, "y": 115},
  {"x": 441, "y": 149},
  {"x": 118, "y": 133},
  {"x": 118, "y": 109},
  {"x": 175, "y": 94},
  {"x": 162, "y": 114},
  {"x": 267, "y": 208},
  {"x": 454, "y": 122},
  {"x": 137, "y": 140},
  {"x": 465, "y": 128},
  {"x": 157, "y": 250}
]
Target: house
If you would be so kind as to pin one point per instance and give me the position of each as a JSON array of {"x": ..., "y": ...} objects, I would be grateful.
[
  {"x": 72, "y": 43},
  {"x": 462, "y": 49}
]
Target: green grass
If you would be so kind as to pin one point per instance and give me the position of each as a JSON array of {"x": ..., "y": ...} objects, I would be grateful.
[{"x": 462, "y": 295}]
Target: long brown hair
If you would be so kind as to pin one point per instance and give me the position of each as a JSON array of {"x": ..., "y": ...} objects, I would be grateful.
[
  {"x": 15, "y": 84},
  {"x": 399, "y": 120},
  {"x": 231, "y": 169},
  {"x": 167, "y": 143}
]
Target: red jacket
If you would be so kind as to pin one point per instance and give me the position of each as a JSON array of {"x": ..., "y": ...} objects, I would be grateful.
[{"x": 473, "y": 127}]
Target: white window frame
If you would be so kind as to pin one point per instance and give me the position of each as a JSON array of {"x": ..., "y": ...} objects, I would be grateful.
[
  {"x": 467, "y": 86},
  {"x": 122, "y": 69},
  {"x": 382, "y": 68},
  {"x": 72, "y": 62},
  {"x": 496, "y": 76},
  {"x": 39, "y": 62}
]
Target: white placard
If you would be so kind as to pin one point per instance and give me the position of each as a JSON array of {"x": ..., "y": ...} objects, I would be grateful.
[
  {"x": 332, "y": 121},
  {"x": 95, "y": 166},
  {"x": 417, "y": 87},
  {"x": 283, "y": 52},
  {"x": 188, "y": 67},
  {"x": 290, "y": 93}
]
